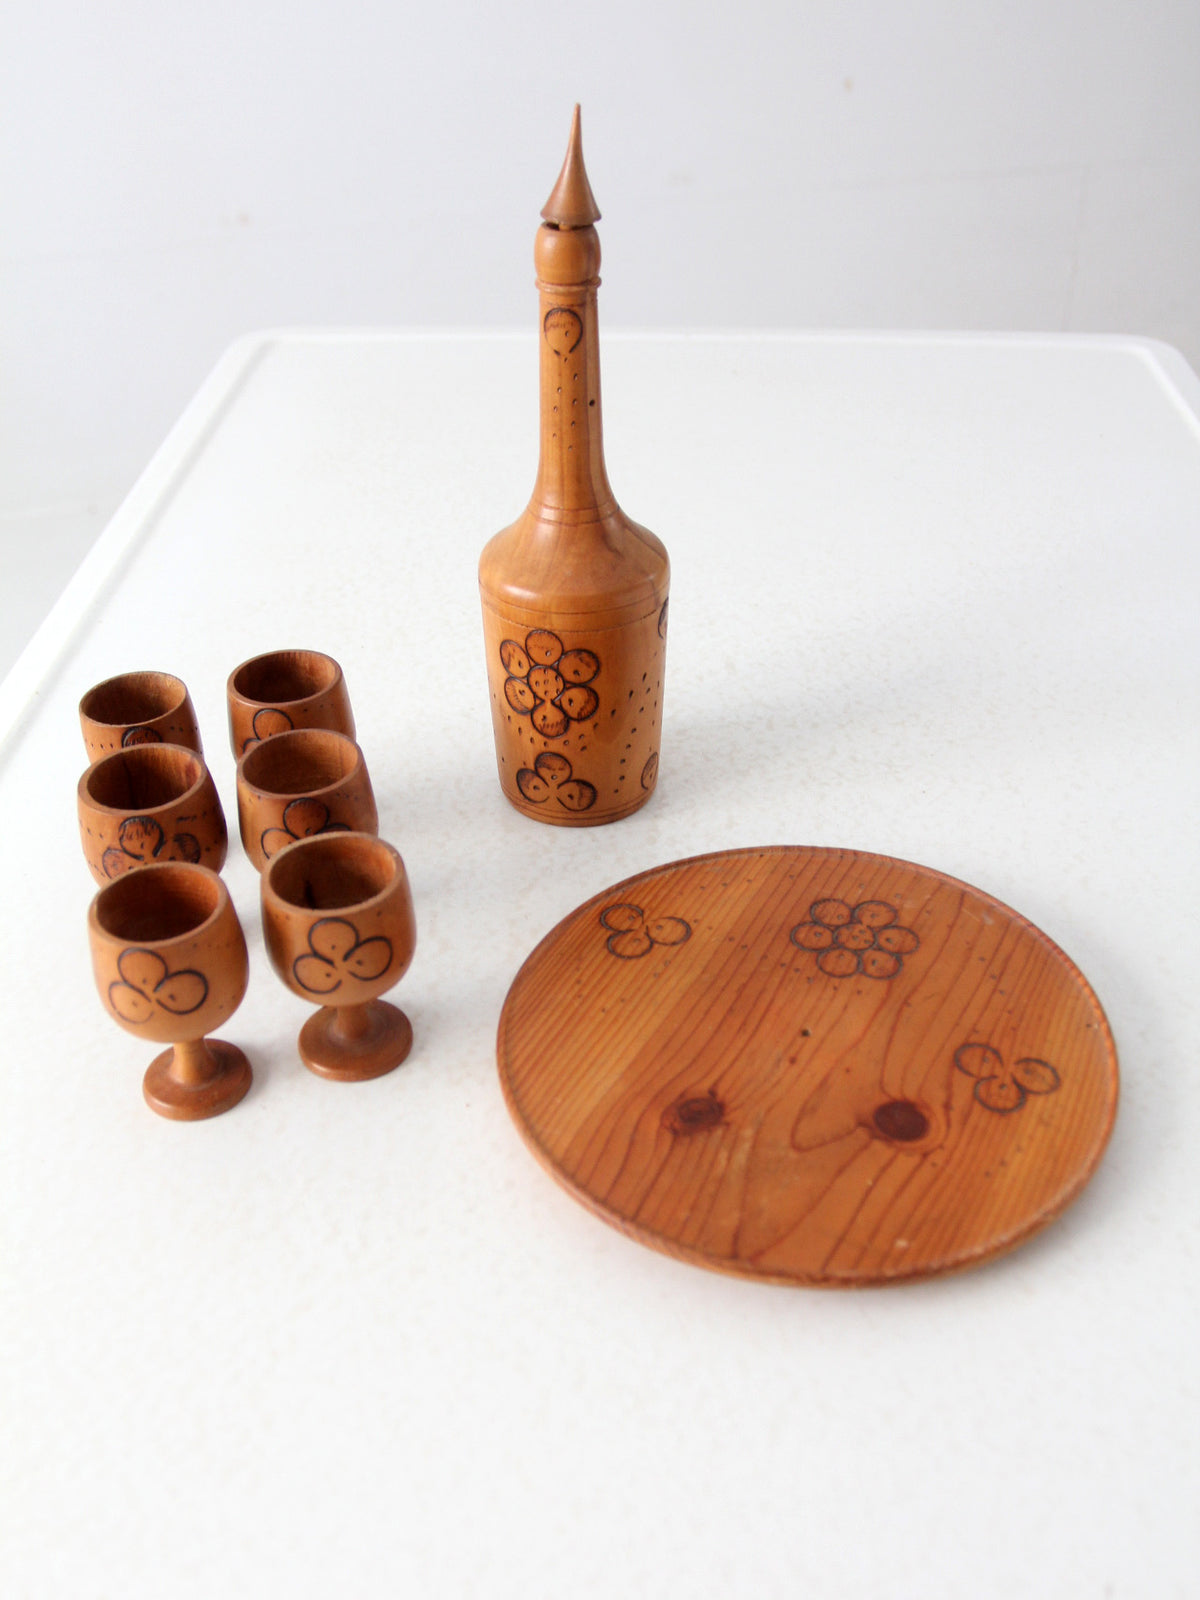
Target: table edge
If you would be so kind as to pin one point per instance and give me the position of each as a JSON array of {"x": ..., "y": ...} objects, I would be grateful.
[{"x": 186, "y": 440}]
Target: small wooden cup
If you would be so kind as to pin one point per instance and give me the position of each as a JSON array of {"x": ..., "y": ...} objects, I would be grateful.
[
  {"x": 138, "y": 708},
  {"x": 170, "y": 963},
  {"x": 338, "y": 920},
  {"x": 149, "y": 802},
  {"x": 286, "y": 689},
  {"x": 299, "y": 784}
]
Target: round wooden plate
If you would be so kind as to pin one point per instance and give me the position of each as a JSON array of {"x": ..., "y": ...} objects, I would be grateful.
[{"x": 810, "y": 1066}]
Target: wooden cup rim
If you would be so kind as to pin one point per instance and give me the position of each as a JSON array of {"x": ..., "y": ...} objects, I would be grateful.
[
  {"x": 143, "y": 753},
  {"x": 357, "y": 845},
  {"x": 146, "y": 881},
  {"x": 275, "y": 749},
  {"x": 91, "y": 704},
  {"x": 241, "y": 696}
]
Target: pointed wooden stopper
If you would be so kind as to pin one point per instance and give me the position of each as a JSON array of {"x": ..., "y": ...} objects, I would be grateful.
[{"x": 572, "y": 203}]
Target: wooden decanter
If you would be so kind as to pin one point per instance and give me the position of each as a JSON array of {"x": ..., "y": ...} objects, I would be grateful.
[{"x": 574, "y": 593}]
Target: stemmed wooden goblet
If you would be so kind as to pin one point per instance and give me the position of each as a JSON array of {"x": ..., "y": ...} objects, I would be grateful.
[
  {"x": 339, "y": 927},
  {"x": 170, "y": 963}
]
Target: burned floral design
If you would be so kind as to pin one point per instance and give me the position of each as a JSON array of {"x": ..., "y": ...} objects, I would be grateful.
[
  {"x": 632, "y": 934},
  {"x": 336, "y": 952},
  {"x": 1001, "y": 1088},
  {"x": 551, "y": 778},
  {"x": 302, "y": 818},
  {"x": 146, "y": 983},
  {"x": 548, "y": 683},
  {"x": 848, "y": 940},
  {"x": 268, "y": 721},
  {"x": 563, "y": 329},
  {"x": 141, "y": 840}
]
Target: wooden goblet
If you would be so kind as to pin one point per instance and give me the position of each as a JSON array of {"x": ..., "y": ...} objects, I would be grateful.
[
  {"x": 298, "y": 784},
  {"x": 170, "y": 963},
  {"x": 286, "y": 689},
  {"x": 149, "y": 802},
  {"x": 339, "y": 926},
  {"x": 138, "y": 708}
]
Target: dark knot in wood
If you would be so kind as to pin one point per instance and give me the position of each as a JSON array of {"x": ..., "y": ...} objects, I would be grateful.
[{"x": 694, "y": 1113}]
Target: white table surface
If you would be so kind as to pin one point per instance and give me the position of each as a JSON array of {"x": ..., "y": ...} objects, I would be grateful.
[{"x": 933, "y": 596}]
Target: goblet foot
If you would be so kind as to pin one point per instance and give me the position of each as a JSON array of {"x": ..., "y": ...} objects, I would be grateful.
[
  {"x": 171, "y": 1097},
  {"x": 378, "y": 1039}
]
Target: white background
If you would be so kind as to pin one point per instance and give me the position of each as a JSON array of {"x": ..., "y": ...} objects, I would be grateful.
[
  {"x": 172, "y": 176},
  {"x": 932, "y": 596}
]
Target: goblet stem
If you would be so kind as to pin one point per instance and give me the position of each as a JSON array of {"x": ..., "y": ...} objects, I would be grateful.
[
  {"x": 193, "y": 1063},
  {"x": 352, "y": 1022},
  {"x": 354, "y": 1042}
]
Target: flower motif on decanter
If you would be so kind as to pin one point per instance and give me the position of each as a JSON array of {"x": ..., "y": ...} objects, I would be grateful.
[
  {"x": 551, "y": 776},
  {"x": 549, "y": 684}
]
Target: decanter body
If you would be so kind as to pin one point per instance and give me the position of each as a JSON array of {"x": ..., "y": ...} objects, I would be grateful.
[{"x": 574, "y": 592}]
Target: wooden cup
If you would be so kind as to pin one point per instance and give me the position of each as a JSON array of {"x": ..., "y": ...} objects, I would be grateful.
[
  {"x": 170, "y": 963},
  {"x": 286, "y": 689},
  {"x": 147, "y": 803},
  {"x": 298, "y": 784},
  {"x": 339, "y": 926},
  {"x": 138, "y": 708}
]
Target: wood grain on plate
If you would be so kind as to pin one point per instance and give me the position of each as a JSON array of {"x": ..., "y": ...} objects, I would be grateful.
[{"x": 811, "y": 1066}]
